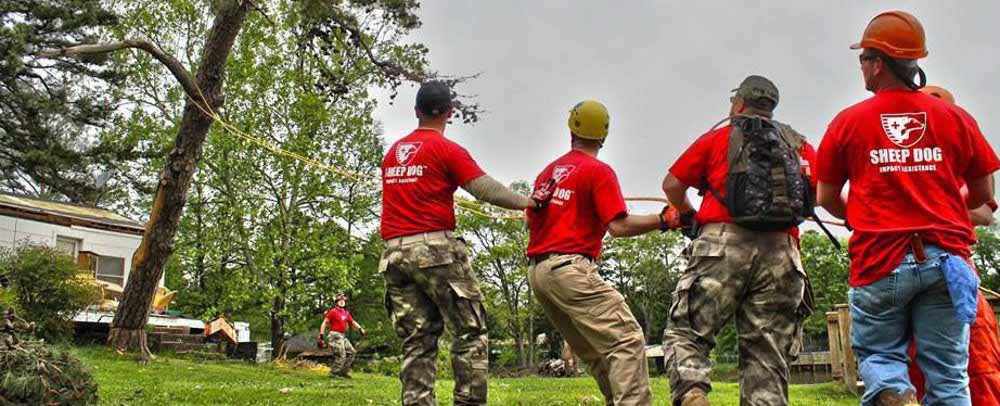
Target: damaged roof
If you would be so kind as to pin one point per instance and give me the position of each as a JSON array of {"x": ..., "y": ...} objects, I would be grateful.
[{"x": 67, "y": 214}]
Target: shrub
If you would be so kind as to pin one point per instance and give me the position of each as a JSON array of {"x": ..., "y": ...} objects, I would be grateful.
[
  {"x": 506, "y": 359},
  {"x": 43, "y": 287},
  {"x": 31, "y": 373},
  {"x": 388, "y": 366}
]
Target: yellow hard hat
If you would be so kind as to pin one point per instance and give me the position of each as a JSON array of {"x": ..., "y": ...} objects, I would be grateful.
[{"x": 589, "y": 119}]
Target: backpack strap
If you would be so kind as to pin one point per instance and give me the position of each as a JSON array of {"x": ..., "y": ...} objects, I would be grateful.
[
  {"x": 815, "y": 218},
  {"x": 792, "y": 137},
  {"x": 736, "y": 143}
]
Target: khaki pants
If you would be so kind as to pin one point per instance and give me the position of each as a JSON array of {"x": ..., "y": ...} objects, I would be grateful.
[
  {"x": 594, "y": 319},
  {"x": 756, "y": 277},
  {"x": 429, "y": 284}
]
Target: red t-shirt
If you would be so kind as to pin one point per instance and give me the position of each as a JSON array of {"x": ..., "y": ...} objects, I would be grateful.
[
  {"x": 906, "y": 155},
  {"x": 420, "y": 174},
  {"x": 339, "y": 318},
  {"x": 708, "y": 158},
  {"x": 586, "y": 198}
]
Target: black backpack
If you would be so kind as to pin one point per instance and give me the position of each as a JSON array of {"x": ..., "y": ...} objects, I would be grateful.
[{"x": 766, "y": 189}]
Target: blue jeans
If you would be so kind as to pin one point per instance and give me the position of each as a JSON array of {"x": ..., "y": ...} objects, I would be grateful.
[{"x": 913, "y": 301}]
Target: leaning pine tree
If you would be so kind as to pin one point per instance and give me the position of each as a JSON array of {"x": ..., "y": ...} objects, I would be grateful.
[{"x": 332, "y": 30}]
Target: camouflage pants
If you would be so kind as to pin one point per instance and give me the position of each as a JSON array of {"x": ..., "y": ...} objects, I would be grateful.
[
  {"x": 429, "y": 284},
  {"x": 594, "y": 319},
  {"x": 756, "y": 277},
  {"x": 343, "y": 353}
]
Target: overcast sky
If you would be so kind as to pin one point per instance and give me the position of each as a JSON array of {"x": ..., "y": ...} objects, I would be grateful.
[{"x": 664, "y": 69}]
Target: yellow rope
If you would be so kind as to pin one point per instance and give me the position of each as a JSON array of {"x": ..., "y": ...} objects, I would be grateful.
[{"x": 476, "y": 208}]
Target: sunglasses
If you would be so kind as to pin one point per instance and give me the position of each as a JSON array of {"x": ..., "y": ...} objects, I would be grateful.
[{"x": 864, "y": 58}]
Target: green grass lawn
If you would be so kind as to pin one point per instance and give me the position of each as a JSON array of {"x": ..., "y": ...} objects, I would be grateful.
[{"x": 174, "y": 380}]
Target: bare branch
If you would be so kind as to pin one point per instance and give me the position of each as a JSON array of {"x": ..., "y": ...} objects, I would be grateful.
[
  {"x": 388, "y": 68},
  {"x": 175, "y": 67},
  {"x": 262, "y": 12}
]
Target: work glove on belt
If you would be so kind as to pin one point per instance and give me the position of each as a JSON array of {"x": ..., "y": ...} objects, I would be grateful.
[{"x": 543, "y": 194}]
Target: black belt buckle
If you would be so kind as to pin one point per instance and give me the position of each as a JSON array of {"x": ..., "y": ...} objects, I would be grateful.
[{"x": 537, "y": 259}]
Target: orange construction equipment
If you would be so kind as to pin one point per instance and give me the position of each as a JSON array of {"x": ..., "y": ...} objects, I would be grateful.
[
  {"x": 896, "y": 33},
  {"x": 939, "y": 92}
]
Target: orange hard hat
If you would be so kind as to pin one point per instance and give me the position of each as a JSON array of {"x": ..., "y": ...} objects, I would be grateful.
[
  {"x": 939, "y": 92},
  {"x": 897, "y": 33}
]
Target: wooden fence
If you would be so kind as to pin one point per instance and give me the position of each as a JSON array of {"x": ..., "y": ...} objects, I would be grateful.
[{"x": 845, "y": 365}]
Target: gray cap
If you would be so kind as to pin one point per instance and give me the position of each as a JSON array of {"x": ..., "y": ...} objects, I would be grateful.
[{"x": 757, "y": 87}]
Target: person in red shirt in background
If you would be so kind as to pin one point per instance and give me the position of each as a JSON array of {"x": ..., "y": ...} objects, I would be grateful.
[
  {"x": 984, "y": 344},
  {"x": 734, "y": 271},
  {"x": 338, "y": 319},
  {"x": 564, "y": 247},
  {"x": 906, "y": 155},
  {"x": 429, "y": 280}
]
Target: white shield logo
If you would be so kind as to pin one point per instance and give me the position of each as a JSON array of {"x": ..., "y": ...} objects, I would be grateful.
[
  {"x": 905, "y": 129},
  {"x": 561, "y": 172},
  {"x": 405, "y": 151}
]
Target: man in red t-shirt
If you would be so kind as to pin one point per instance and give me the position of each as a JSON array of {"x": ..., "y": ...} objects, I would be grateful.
[
  {"x": 906, "y": 155},
  {"x": 984, "y": 345},
  {"x": 756, "y": 276},
  {"x": 338, "y": 319},
  {"x": 564, "y": 245},
  {"x": 429, "y": 279}
]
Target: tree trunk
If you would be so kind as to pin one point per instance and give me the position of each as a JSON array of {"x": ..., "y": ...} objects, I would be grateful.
[
  {"x": 519, "y": 349},
  {"x": 278, "y": 326},
  {"x": 128, "y": 328},
  {"x": 531, "y": 332}
]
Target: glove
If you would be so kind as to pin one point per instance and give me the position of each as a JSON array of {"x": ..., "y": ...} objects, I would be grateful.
[
  {"x": 320, "y": 342},
  {"x": 689, "y": 226},
  {"x": 670, "y": 219},
  {"x": 543, "y": 194},
  {"x": 363, "y": 332}
]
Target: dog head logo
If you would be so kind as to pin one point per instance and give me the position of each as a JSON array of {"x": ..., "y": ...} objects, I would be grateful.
[
  {"x": 561, "y": 172},
  {"x": 904, "y": 129},
  {"x": 405, "y": 152}
]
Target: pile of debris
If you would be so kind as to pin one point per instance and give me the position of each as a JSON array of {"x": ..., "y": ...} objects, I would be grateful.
[
  {"x": 31, "y": 373},
  {"x": 557, "y": 368}
]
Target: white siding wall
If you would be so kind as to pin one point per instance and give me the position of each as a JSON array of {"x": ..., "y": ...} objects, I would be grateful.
[{"x": 108, "y": 243}]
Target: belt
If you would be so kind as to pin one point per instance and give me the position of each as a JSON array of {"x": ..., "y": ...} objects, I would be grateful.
[
  {"x": 548, "y": 255},
  {"x": 917, "y": 246},
  {"x": 420, "y": 237}
]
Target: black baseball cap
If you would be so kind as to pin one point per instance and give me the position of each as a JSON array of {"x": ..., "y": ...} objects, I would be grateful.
[{"x": 434, "y": 98}]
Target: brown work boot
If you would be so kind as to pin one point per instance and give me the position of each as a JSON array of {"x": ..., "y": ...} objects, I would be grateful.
[
  {"x": 890, "y": 398},
  {"x": 695, "y": 397}
]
